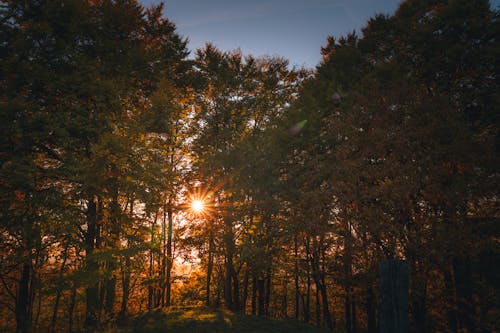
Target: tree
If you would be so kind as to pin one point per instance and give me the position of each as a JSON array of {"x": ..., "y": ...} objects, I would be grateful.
[{"x": 79, "y": 76}]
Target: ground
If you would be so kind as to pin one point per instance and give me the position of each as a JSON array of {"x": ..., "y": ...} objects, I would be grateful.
[{"x": 205, "y": 320}]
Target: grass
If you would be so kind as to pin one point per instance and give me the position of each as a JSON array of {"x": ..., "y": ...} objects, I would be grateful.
[{"x": 206, "y": 320}]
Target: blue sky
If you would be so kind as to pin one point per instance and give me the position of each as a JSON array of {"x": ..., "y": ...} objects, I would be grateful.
[{"x": 294, "y": 29}]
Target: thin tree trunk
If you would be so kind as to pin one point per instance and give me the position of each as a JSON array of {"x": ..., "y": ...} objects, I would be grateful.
[
  {"x": 268, "y": 292},
  {"x": 110, "y": 289},
  {"x": 211, "y": 248},
  {"x": 236, "y": 291},
  {"x": 348, "y": 278},
  {"x": 353, "y": 315},
  {"x": 163, "y": 260},
  {"x": 58, "y": 294},
  {"x": 284, "y": 304},
  {"x": 245, "y": 291},
  {"x": 370, "y": 310},
  {"x": 307, "y": 305},
  {"x": 126, "y": 270},
  {"x": 125, "y": 287},
  {"x": 296, "y": 278},
  {"x": 462, "y": 273},
  {"x": 228, "y": 266},
  {"x": 23, "y": 303},
  {"x": 91, "y": 266},
  {"x": 151, "y": 290},
  {"x": 261, "y": 311},
  {"x": 318, "y": 307},
  {"x": 115, "y": 227},
  {"x": 452, "y": 299},
  {"x": 170, "y": 258},
  {"x": 39, "y": 304},
  {"x": 254, "y": 295},
  {"x": 71, "y": 309}
]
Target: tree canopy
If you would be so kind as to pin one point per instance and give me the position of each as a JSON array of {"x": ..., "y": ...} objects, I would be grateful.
[{"x": 305, "y": 180}]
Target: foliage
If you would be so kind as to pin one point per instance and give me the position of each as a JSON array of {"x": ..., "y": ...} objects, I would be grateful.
[{"x": 388, "y": 149}]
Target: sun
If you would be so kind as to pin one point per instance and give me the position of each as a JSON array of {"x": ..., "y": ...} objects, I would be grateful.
[{"x": 197, "y": 206}]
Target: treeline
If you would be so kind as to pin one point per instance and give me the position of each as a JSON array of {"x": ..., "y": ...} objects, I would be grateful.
[{"x": 389, "y": 149}]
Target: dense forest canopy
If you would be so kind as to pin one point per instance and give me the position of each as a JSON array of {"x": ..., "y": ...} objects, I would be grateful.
[{"x": 303, "y": 181}]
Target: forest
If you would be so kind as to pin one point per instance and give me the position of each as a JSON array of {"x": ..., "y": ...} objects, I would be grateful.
[{"x": 137, "y": 178}]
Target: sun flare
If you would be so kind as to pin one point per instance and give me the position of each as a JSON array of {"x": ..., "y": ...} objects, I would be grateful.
[{"x": 197, "y": 206}]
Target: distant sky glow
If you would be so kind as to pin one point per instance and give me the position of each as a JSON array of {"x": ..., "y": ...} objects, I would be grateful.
[{"x": 294, "y": 29}]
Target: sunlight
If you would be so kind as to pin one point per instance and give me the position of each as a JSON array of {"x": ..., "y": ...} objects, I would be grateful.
[{"x": 197, "y": 206}]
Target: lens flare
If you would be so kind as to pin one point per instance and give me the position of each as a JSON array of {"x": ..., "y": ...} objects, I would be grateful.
[{"x": 197, "y": 206}]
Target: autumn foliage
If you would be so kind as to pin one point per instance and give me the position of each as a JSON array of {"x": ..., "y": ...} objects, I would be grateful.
[{"x": 307, "y": 179}]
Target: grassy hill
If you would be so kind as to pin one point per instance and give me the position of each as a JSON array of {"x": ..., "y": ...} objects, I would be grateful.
[{"x": 205, "y": 320}]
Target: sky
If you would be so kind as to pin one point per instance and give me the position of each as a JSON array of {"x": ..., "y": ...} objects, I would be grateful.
[{"x": 293, "y": 29}]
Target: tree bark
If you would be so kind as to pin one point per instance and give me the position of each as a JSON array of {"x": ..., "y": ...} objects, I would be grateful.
[
  {"x": 23, "y": 302},
  {"x": 268, "y": 292},
  {"x": 71, "y": 309},
  {"x": 169, "y": 254},
  {"x": 284, "y": 304},
  {"x": 126, "y": 287},
  {"x": 462, "y": 273},
  {"x": 452, "y": 299},
  {"x": 370, "y": 310},
  {"x": 348, "y": 278},
  {"x": 236, "y": 291},
  {"x": 318, "y": 307},
  {"x": 296, "y": 278},
  {"x": 228, "y": 266},
  {"x": 58, "y": 294},
  {"x": 91, "y": 266},
  {"x": 245, "y": 291},
  {"x": 394, "y": 285},
  {"x": 211, "y": 248},
  {"x": 261, "y": 311},
  {"x": 254, "y": 295}
]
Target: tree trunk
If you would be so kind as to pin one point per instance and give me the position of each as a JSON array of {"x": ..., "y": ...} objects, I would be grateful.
[
  {"x": 307, "y": 305},
  {"x": 284, "y": 304},
  {"x": 151, "y": 286},
  {"x": 169, "y": 254},
  {"x": 353, "y": 315},
  {"x": 348, "y": 278},
  {"x": 268, "y": 292},
  {"x": 318, "y": 307},
  {"x": 211, "y": 247},
  {"x": 254, "y": 295},
  {"x": 261, "y": 298},
  {"x": 452, "y": 314},
  {"x": 125, "y": 287},
  {"x": 236, "y": 291},
  {"x": 296, "y": 278},
  {"x": 126, "y": 270},
  {"x": 163, "y": 257},
  {"x": 419, "y": 306},
  {"x": 71, "y": 309},
  {"x": 370, "y": 310},
  {"x": 23, "y": 302},
  {"x": 114, "y": 244},
  {"x": 58, "y": 294},
  {"x": 463, "y": 285},
  {"x": 91, "y": 267},
  {"x": 394, "y": 285},
  {"x": 228, "y": 267},
  {"x": 110, "y": 289},
  {"x": 38, "y": 303},
  {"x": 245, "y": 291}
]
